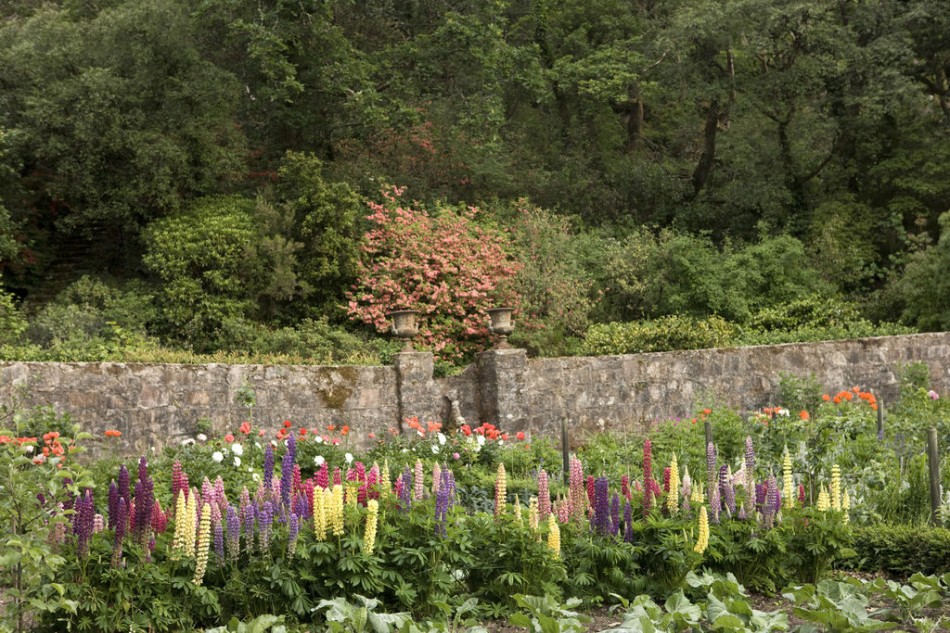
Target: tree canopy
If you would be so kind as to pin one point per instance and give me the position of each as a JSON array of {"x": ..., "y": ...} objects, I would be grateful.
[{"x": 686, "y": 134}]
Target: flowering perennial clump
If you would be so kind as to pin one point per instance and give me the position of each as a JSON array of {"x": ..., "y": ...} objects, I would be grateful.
[
  {"x": 672, "y": 498},
  {"x": 554, "y": 537},
  {"x": 788, "y": 485},
  {"x": 702, "y": 542},
  {"x": 372, "y": 521},
  {"x": 203, "y": 545},
  {"x": 501, "y": 490}
]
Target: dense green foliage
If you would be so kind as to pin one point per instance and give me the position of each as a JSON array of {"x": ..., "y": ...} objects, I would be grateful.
[
  {"x": 902, "y": 550},
  {"x": 648, "y": 159}
]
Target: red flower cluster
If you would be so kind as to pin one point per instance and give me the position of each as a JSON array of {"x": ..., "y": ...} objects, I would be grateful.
[{"x": 848, "y": 396}]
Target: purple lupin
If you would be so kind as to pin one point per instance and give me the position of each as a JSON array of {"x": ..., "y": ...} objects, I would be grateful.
[
  {"x": 121, "y": 525},
  {"x": 627, "y": 522},
  {"x": 601, "y": 519},
  {"x": 294, "y": 531},
  {"x": 268, "y": 463},
  {"x": 234, "y": 534},
  {"x": 615, "y": 515},
  {"x": 287, "y": 471}
]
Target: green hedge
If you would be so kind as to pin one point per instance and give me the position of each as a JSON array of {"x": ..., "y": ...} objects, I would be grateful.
[
  {"x": 902, "y": 550},
  {"x": 660, "y": 335}
]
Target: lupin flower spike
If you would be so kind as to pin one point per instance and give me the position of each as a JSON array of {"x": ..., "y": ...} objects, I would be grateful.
[
  {"x": 372, "y": 523},
  {"x": 703, "y": 541},
  {"x": 501, "y": 490},
  {"x": 554, "y": 537}
]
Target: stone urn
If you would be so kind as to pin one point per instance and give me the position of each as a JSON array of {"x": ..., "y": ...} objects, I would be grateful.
[
  {"x": 501, "y": 324},
  {"x": 405, "y": 326}
]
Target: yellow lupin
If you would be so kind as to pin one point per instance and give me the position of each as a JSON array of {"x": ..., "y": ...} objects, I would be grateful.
[
  {"x": 824, "y": 503},
  {"x": 697, "y": 495},
  {"x": 191, "y": 519},
  {"x": 320, "y": 513},
  {"x": 204, "y": 544},
  {"x": 181, "y": 508},
  {"x": 836, "y": 487},
  {"x": 501, "y": 490},
  {"x": 554, "y": 536},
  {"x": 788, "y": 484},
  {"x": 673, "y": 497},
  {"x": 703, "y": 541},
  {"x": 372, "y": 523},
  {"x": 335, "y": 518},
  {"x": 385, "y": 483},
  {"x": 352, "y": 494},
  {"x": 533, "y": 514}
]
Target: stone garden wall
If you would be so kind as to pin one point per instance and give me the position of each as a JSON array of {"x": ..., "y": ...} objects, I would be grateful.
[{"x": 155, "y": 404}]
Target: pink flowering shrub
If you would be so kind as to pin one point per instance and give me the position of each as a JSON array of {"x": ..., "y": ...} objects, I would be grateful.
[{"x": 444, "y": 265}]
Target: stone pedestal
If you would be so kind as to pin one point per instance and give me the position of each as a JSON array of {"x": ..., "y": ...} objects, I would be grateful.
[
  {"x": 501, "y": 382},
  {"x": 415, "y": 389}
]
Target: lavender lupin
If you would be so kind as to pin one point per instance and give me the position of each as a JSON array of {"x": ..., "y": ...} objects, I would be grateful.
[
  {"x": 121, "y": 524},
  {"x": 294, "y": 531},
  {"x": 601, "y": 519},
  {"x": 441, "y": 508},
  {"x": 250, "y": 518},
  {"x": 728, "y": 491},
  {"x": 615, "y": 515},
  {"x": 770, "y": 508},
  {"x": 749, "y": 504},
  {"x": 113, "y": 504},
  {"x": 265, "y": 517},
  {"x": 405, "y": 490},
  {"x": 627, "y": 522},
  {"x": 268, "y": 463},
  {"x": 84, "y": 522},
  {"x": 125, "y": 490},
  {"x": 287, "y": 471},
  {"x": 234, "y": 534},
  {"x": 712, "y": 483},
  {"x": 219, "y": 538}
]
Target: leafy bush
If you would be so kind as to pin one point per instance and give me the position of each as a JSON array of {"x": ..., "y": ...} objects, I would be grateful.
[
  {"x": 206, "y": 259},
  {"x": 554, "y": 286},
  {"x": 902, "y": 550},
  {"x": 663, "y": 334},
  {"x": 925, "y": 285},
  {"x": 648, "y": 275},
  {"x": 445, "y": 265}
]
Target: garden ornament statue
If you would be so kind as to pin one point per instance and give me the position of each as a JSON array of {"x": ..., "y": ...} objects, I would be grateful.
[
  {"x": 405, "y": 326},
  {"x": 502, "y": 325}
]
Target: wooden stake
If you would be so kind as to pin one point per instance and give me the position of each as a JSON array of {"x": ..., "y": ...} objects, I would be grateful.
[
  {"x": 933, "y": 461},
  {"x": 565, "y": 452},
  {"x": 880, "y": 419}
]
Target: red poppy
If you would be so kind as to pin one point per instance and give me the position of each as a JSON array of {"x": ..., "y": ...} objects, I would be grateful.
[
  {"x": 245, "y": 428},
  {"x": 286, "y": 424},
  {"x": 520, "y": 436}
]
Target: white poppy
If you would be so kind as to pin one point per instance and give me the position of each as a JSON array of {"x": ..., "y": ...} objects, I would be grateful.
[
  {"x": 237, "y": 460},
  {"x": 319, "y": 460},
  {"x": 441, "y": 437},
  {"x": 349, "y": 458},
  {"x": 202, "y": 437},
  {"x": 217, "y": 456},
  {"x": 237, "y": 449}
]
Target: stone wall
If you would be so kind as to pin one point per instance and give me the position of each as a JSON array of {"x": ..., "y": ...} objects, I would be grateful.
[
  {"x": 617, "y": 392},
  {"x": 155, "y": 404}
]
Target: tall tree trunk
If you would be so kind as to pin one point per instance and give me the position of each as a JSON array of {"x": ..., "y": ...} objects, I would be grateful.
[{"x": 708, "y": 157}]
